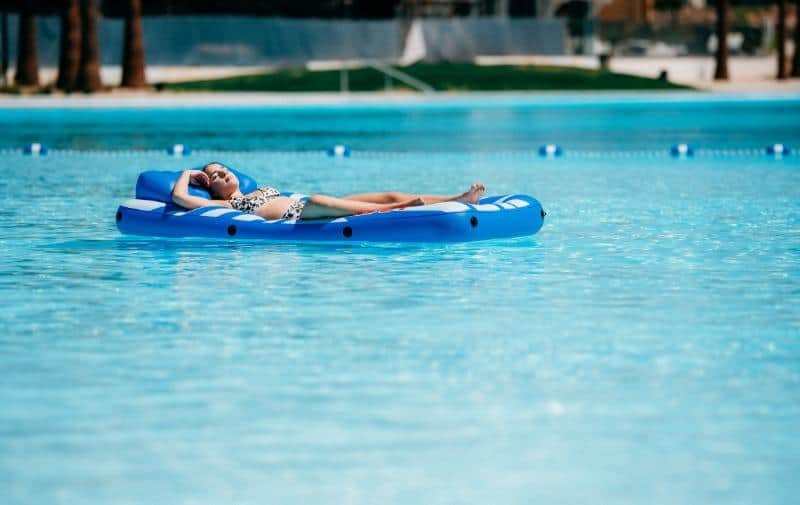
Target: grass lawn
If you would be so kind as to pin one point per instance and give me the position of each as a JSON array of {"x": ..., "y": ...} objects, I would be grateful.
[{"x": 442, "y": 76}]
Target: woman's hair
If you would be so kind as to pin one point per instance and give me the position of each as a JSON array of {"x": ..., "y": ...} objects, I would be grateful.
[{"x": 223, "y": 165}]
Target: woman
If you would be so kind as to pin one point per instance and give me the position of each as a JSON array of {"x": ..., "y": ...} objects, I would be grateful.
[{"x": 267, "y": 202}]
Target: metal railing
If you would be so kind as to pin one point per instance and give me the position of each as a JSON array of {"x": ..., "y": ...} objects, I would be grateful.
[{"x": 389, "y": 73}]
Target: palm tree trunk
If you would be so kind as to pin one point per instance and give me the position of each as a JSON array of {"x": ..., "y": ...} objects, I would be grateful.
[
  {"x": 89, "y": 73},
  {"x": 723, "y": 27},
  {"x": 69, "y": 56},
  {"x": 27, "y": 59},
  {"x": 780, "y": 35},
  {"x": 4, "y": 43},
  {"x": 796, "y": 57},
  {"x": 133, "y": 75}
]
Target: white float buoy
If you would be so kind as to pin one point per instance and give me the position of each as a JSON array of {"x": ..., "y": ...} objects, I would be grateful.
[
  {"x": 178, "y": 150},
  {"x": 778, "y": 150},
  {"x": 339, "y": 151},
  {"x": 550, "y": 151},
  {"x": 681, "y": 151},
  {"x": 35, "y": 149}
]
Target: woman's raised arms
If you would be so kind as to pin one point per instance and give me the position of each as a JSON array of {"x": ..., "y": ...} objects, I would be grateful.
[{"x": 181, "y": 196}]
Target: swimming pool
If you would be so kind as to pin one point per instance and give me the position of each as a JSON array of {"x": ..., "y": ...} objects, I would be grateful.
[{"x": 643, "y": 347}]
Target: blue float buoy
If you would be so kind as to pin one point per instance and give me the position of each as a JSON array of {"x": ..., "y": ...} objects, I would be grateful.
[
  {"x": 550, "y": 151},
  {"x": 778, "y": 150},
  {"x": 178, "y": 150},
  {"x": 35, "y": 149},
  {"x": 339, "y": 151},
  {"x": 681, "y": 151}
]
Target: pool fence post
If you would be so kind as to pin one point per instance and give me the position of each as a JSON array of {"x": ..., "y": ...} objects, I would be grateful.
[{"x": 344, "y": 85}]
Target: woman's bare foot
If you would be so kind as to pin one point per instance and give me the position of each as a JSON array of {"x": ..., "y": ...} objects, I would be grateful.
[{"x": 473, "y": 194}]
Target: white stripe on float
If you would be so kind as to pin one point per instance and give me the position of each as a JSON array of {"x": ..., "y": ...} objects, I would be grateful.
[
  {"x": 442, "y": 207},
  {"x": 487, "y": 207},
  {"x": 339, "y": 220},
  {"x": 217, "y": 212},
  {"x": 137, "y": 204},
  {"x": 507, "y": 205},
  {"x": 248, "y": 217},
  {"x": 518, "y": 203}
]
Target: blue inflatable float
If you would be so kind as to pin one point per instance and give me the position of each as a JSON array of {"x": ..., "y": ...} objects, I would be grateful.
[{"x": 152, "y": 213}]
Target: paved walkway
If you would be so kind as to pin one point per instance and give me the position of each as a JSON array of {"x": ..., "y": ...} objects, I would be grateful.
[{"x": 145, "y": 99}]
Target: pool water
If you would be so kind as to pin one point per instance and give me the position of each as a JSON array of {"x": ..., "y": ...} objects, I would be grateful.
[{"x": 643, "y": 347}]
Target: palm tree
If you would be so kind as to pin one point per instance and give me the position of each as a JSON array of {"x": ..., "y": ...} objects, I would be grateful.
[
  {"x": 723, "y": 27},
  {"x": 89, "y": 71},
  {"x": 69, "y": 55},
  {"x": 796, "y": 57},
  {"x": 27, "y": 60},
  {"x": 133, "y": 75},
  {"x": 781, "y": 39},
  {"x": 4, "y": 44}
]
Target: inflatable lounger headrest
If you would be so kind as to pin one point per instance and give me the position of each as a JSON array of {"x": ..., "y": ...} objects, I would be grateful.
[{"x": 157, "y": 185}]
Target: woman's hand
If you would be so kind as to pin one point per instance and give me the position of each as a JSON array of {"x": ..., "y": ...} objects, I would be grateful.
[
  {"x": 199, "y": 178},
  {"x": 180, "y": 192}
]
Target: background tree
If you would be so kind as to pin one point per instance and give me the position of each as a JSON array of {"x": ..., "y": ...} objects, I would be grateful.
[
  {"x": 89, "y": 71},
  {"x": 69, "y": 55},
  {"x": 780, "y": 35},
  {"x": 133, "y": 75},
  {"x": 27, "y": 73},
  {"x": 723, "y": 27},
  {"x": 796, "y": 57},
  {"x": 327, "y": 9},
  {"x": 3, "y": 47}
]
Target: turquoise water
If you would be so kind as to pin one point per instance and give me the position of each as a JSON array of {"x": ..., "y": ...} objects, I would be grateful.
[{"x": 642, "y": 348}]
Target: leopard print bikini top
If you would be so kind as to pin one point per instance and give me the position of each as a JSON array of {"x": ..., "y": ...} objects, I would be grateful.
[{"x": 250, "y": 203}]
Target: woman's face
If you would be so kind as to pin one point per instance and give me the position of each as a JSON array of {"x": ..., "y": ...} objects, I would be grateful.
[{"x": 221, "y": 181}]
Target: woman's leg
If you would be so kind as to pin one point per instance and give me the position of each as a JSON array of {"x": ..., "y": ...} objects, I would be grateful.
[
  {"x": 472, "y": 195},
  {"x": 321, "y": 206},
  {"x": 381, "y": 197}
]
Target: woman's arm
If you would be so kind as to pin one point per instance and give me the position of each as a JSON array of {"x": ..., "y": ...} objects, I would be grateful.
[{"x": 180, "y": 192}]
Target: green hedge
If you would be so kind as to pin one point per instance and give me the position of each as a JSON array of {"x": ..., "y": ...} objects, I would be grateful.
[{"x": 443, "y": 77}]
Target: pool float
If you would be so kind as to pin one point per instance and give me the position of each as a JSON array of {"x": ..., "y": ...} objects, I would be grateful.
[{"x": 152, "y": 213}]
